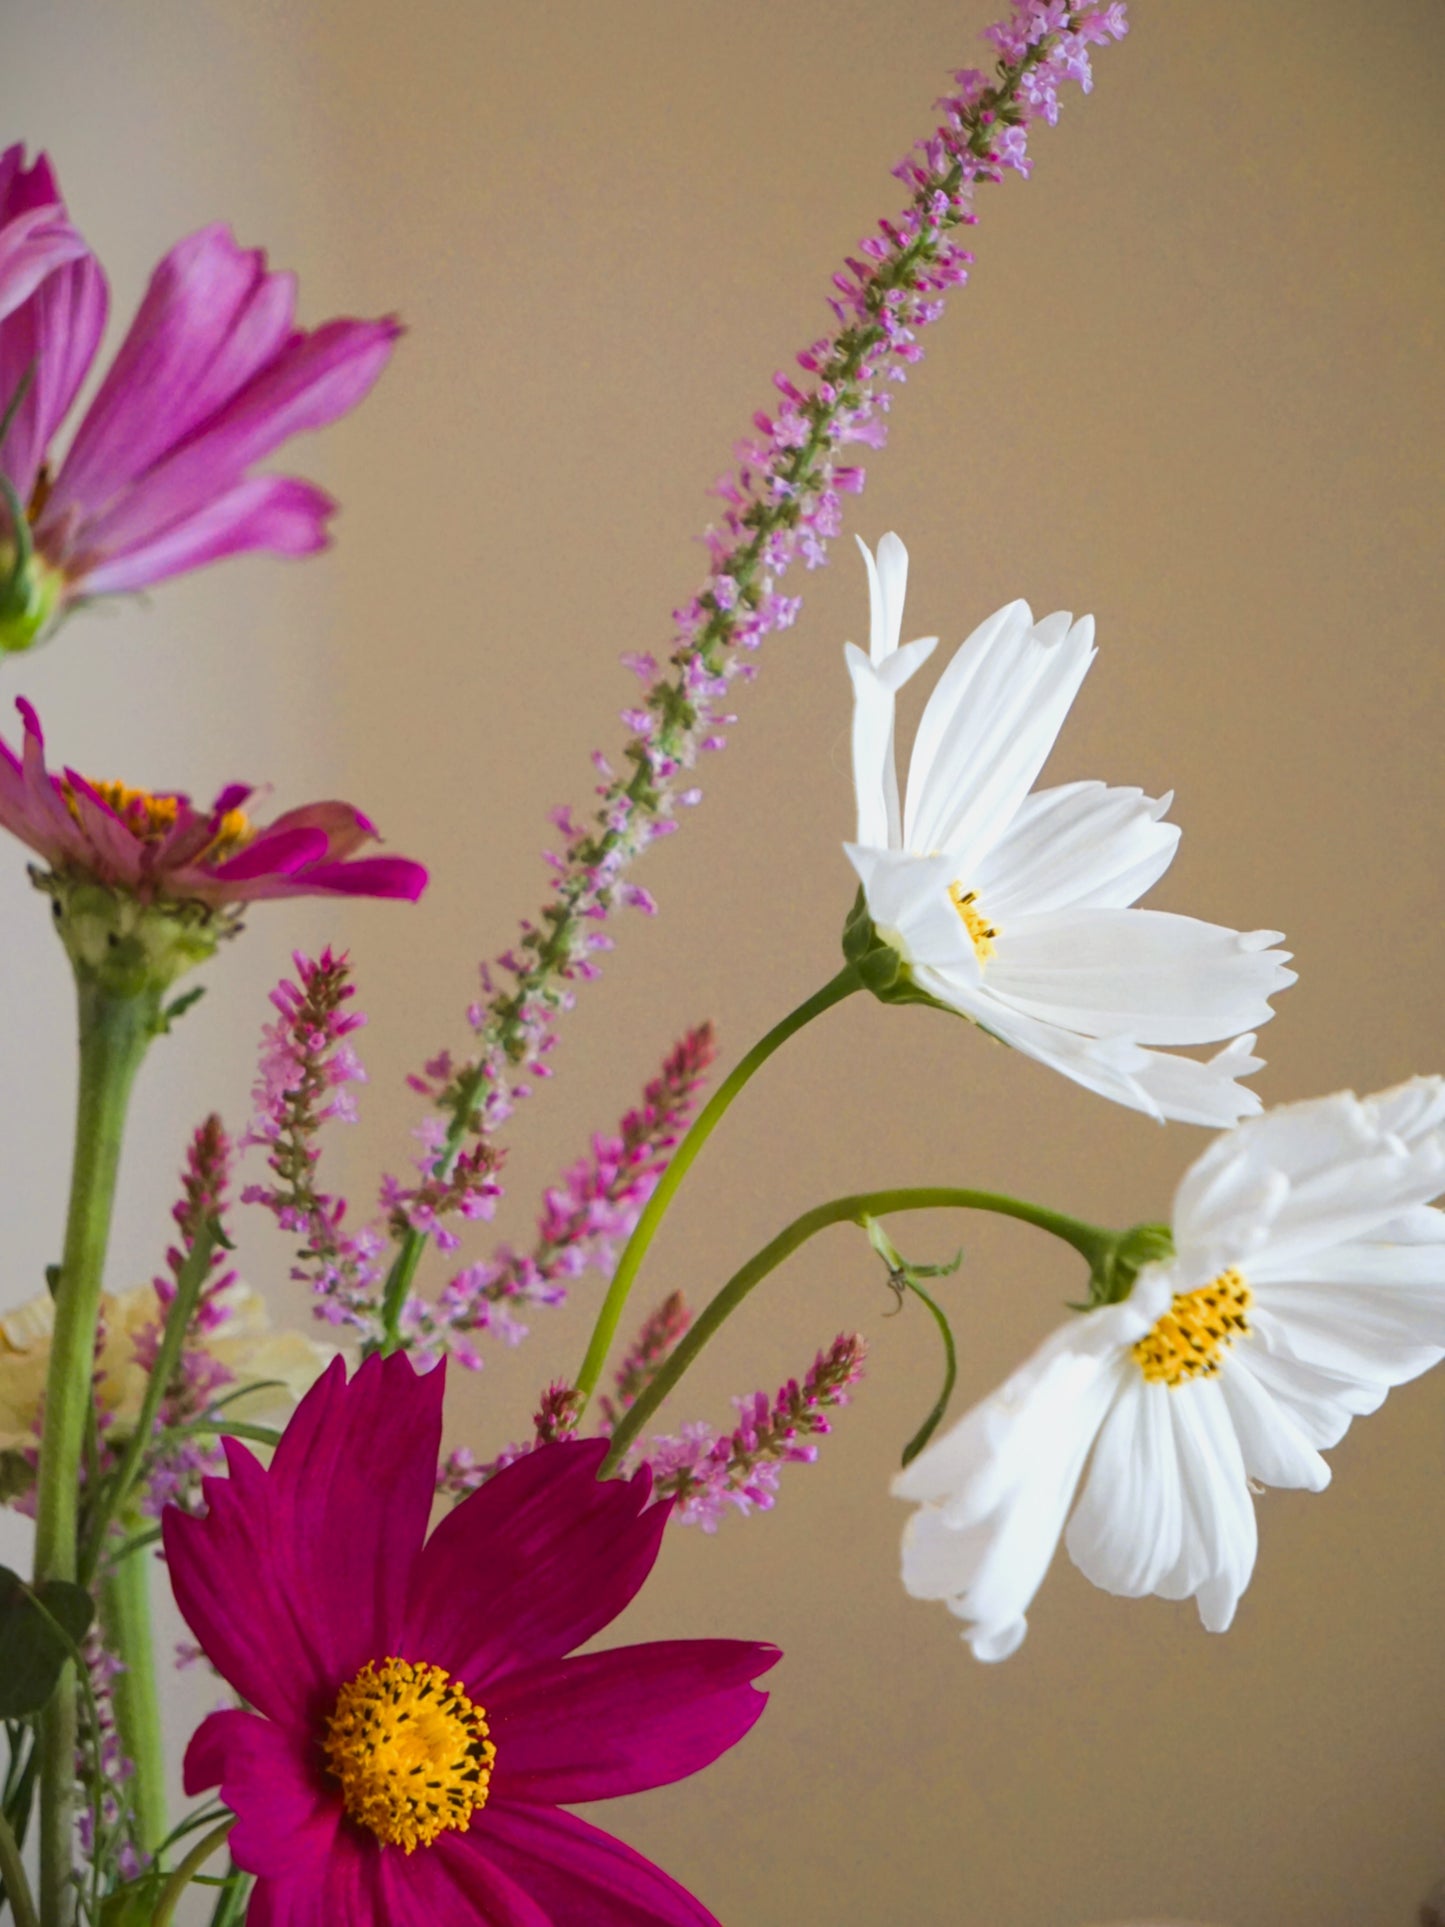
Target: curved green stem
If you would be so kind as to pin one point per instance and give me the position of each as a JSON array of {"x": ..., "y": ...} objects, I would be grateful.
[
  {"x": 635, "y": 1250},
  {"x": 114, "y": 1033},
  {"x": 186, "y": 1872},
  {"x": 1090, "y": 1242},
  {"x": 12, "y": 1873}
]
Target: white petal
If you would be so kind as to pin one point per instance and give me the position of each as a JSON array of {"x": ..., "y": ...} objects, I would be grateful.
[
  {"x": 1155, "y": 977},
  {"x": 996, "y": 1488},
  {"x": 908, "y": 899},
  {"x": 1276, "y": 1449},
  {"x": 1082, "y": 844},
  {"x": 875, "y": 773},
  {"x": 887, "y": 586},
  {"x": 1127, "y": 1528},
  {"x": 1195, "y": 1092},
  {"x": 1216, "y": 1487},
  {"x": 987, "y": 729}
]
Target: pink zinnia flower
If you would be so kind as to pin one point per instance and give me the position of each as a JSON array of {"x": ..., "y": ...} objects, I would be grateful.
[
  {"x": 417, "y": 1721},
  {"x": 156, "y": 846},
  {"x": 212, "y": 378}
]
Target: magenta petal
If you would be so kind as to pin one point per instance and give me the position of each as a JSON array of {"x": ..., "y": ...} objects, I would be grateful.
[
  {"x": 392, "y": 877},
  {"x": 230, "y": 1572},
  {"x": 554, "y": 1552},
  {"x": 286, "y": 1816},
  {"x": 433, "y": 1889},
  {"x": 606, "y": 1724},
  {"x": 271, "y": 512},
  {"x": 347, "y": 1889},
  {"x": 581, "y": 1876},
  {"x": 357, "y": 1467},
  {"x": 274, "y": 853}
]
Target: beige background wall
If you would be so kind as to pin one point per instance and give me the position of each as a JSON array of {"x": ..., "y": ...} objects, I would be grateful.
[{"x": 1195, "y": 388}]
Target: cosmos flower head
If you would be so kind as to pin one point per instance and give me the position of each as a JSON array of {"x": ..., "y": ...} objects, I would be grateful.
[
  {"x": 1308, "y": 1278},
  {"x": 417, "y": 1726},
  {"x": 212, "y": 377},
  {"x": 1014, "y": 907}
]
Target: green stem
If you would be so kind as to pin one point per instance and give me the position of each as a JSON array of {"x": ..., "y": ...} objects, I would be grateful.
[
  {"x": 125, "y": 1606},
  {"x": 12, "y": 1873},
  {"x": 1092, "y": 1244},
  {"x": 635, "y": 1250},
  {"x": 186, "y": 1872},
  {"x": 114, "y": 1033}
]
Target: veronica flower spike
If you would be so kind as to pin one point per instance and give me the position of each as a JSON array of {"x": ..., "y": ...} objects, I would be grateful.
[
  {"x": 1012, "y": 907},
  {"x": 417, "y": 1724},
  {"x": 212, "y": 377},
  {"x": 1307, "y": 1278}
]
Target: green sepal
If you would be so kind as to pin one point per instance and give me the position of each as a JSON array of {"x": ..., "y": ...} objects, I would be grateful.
[
  {"x": 39, "y": 1632},
  {"x": 1112, "y": 1275},
  {"x": 880, "y": 966},
  {"x": 127, "y": 948},
  {"x": 133, "y": 1904},
  {"x": 29, "y": 591}
]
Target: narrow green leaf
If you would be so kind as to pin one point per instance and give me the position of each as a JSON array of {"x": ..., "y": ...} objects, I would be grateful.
[{"x": 950, "y": 1372}]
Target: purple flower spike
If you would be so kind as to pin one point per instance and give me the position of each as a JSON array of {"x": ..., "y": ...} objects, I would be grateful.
[
  {"x": 418, "y": 1726},
  {"x": 156, "y": 847},
  {"x": 212, "y": 378}
]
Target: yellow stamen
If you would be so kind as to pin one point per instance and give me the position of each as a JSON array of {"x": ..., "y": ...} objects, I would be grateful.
[
  {"x": 147, "y": 816},
  {"x": 981, "y": 932},
  {"x": 411, "y": 1752},
  {"x": 233, "y": 833},
  {"x": 1190, "y": 1338}
]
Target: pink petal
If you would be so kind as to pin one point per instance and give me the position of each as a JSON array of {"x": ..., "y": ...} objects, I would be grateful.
[
  {"x": 620, "y": 1722},
  {"x": 347, "y": 1889},
  {"x": 231, "y": 1572},
  {"x": 287, "y": 1816},
  {"x": 272, "y": 512},
  {"x": 356, "y": 1471},
  {"x": 554, "y": 1552},
  {"x": 311, "y": 381},
  {"x": 32, "y": 247},
  {"x": 581, "y": 1876},
  {"x": 211, "y": 317}
]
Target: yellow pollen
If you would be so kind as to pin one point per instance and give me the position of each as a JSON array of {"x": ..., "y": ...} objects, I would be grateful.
[
  {"x": 411, "y": 1752},
  {"x": 981, "y": 931},
  {"x": 1189, "y": 1339},
  {"x": 233, "y": 833},
  {"x": 144, "y": 815}
]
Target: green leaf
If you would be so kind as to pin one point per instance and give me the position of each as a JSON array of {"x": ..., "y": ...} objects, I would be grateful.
[
  {"x": 39, "y": 1631},
  {"x": 133, "y": 1904},
  {"x": 950, "y": 1374}
]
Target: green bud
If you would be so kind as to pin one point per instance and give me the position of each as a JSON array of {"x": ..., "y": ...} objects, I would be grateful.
[
  {"x": 29, "y": 597},
  {"x": 124, "y": 947},
  {"x": 1114, "y": 1271},
  {"x": 879, "y": 963}
]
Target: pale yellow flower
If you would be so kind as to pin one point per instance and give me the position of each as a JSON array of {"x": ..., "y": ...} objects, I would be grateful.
[{"x": 245, "y": 1344}]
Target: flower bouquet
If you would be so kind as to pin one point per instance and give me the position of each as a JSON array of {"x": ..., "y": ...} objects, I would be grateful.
[{"x": 393, "y": 1626}]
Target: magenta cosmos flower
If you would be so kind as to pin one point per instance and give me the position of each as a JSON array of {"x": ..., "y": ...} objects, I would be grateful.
[
  {"x": 418, "y": 1724},
  {"x": 213, "y": 376},
  {"x": 157, "y": 847}
]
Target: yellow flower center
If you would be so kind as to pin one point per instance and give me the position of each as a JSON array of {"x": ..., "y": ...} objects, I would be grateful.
[
  {"x": 233, "y": 833},
  {"x": 144, "y": 815},
  {"x": 981, "y": 932},
  {"x": 1190, "y": 1338},
  {"x": 411, "y": 1752}
]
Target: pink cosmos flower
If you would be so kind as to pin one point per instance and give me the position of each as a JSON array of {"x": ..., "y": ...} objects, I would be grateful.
[
  {"x": 213, "y": 376},
  {"x": 155, "y": 845},
  {"x": 418, "y": 1724}
]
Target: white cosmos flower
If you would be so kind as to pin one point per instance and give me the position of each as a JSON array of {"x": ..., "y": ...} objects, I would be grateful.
[
  {"x": 1014, "y": 908},
  {"x": 1309, "y": 1277}
]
